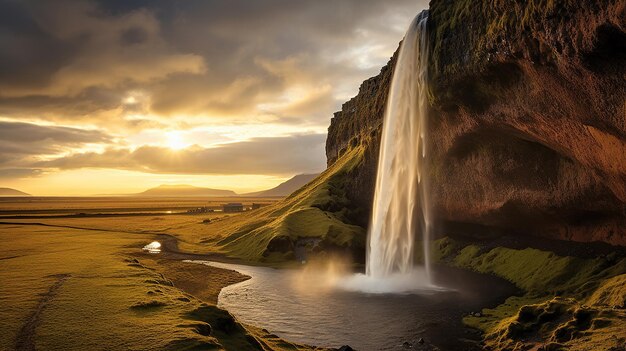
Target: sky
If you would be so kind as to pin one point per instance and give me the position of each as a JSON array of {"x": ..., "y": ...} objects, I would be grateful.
[{"x": 117, "y": 96}]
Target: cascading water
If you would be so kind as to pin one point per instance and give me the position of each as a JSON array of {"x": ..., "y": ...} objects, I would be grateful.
[{"x": 401, "y": 203}]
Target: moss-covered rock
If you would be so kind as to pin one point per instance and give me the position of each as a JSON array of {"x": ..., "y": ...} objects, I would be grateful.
[{"x": 568, "y": 302}]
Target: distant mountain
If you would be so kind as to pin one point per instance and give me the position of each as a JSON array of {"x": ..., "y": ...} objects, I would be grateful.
[
  {"x": 286, "y": 188},
  {"x": 12, "y": 192},
  {"x": 185, "y": 190}
]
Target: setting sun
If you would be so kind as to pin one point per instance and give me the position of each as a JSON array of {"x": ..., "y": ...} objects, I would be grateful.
[{"x": 176, "y": 141}]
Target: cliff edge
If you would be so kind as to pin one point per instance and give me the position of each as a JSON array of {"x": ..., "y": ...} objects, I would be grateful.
[{"x": 528, "y": 121}]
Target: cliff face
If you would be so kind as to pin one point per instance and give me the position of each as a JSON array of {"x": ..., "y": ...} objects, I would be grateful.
[
  {"x": 528, "y": 121},
  {"x": 359, "y": 123}
]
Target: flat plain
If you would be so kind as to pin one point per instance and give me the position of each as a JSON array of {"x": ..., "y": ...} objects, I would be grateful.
[{"x": 84, "y": 282}]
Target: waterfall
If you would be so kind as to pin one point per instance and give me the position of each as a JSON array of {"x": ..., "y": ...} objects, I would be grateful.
[{"x": 401, "y": 203}]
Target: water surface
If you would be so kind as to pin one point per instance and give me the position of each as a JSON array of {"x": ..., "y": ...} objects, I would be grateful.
[{"x": 294, "y": 306}]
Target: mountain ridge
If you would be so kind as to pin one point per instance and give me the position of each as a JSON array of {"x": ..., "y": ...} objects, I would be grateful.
[
  {"x": 184, "y": 190},
  {"x": 12, "y": 192},
  {"x": 287, "y": 187}
]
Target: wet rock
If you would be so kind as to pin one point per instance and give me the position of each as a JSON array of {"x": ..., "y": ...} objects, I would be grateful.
[
  {"x": 407, "y": 345},
  {"x": 420, "y": 341},
  {"x": 280, "y": 244},
  {"x": 203, "y": 329},
  {"x": 528, "y": 134},
  {"x": 345, "y": 348}
]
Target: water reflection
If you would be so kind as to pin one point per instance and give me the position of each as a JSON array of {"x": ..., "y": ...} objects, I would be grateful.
[
  {"x": 153, "y": 248},
  {"x": 313, "y": 309}
]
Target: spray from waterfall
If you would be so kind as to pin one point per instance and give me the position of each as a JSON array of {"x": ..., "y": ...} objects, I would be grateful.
[{"x": 401, "y": 210}]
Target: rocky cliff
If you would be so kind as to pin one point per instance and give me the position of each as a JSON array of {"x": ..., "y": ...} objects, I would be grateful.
[{"x": 528, "y": 120}]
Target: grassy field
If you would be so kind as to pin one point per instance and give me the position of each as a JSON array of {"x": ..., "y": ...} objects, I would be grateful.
[
  {"x": 82, "y": 282},
  {"x": 54, "y": 204},
  {"x": 314, "y": 219},
  {"x": 75, "y": 289}
]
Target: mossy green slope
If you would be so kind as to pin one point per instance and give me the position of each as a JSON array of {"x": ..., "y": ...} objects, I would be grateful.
[
  {"x": 568, "y": 302},
  {"x": 318, "y": 210}
]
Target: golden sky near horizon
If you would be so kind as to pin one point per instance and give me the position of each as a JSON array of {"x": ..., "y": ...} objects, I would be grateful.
[{"x": 109, "y": 97}]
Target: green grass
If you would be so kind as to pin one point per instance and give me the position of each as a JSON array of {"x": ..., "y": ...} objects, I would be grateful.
[
  {"x": 568, "y": 302},
  {"x": 318, "y": 210},
  {"x": 482, "y": 24},
  {"x": 105, "y": 299},
  {"x": 612, "y": 292},
  {"x": 93, "y": 308}
]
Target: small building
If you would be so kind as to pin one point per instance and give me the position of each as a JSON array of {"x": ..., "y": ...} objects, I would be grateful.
[
  {"x": 256, "y": 206},
  {"x": 233, "y": 207},
  {"x": 200, "y": 210}
]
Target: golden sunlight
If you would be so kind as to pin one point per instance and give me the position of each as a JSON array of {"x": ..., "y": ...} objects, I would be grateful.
[{"x": 176, "y": 141}]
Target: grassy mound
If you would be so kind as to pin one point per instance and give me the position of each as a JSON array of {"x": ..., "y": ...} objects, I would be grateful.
[
  {"x": 569, "y": 303},
  {"x": 314, "y": 217}
]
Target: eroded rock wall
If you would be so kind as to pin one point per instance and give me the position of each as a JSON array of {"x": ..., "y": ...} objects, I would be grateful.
[{"x": 528, "y": 122}]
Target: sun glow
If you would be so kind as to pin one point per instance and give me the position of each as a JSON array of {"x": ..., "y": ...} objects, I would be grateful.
[{"x": 176, "y": 141}]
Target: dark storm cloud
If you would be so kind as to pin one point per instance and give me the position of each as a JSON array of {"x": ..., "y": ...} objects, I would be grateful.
[
  {"x": 71, "y": 46},
  {"x": 277, "y": 155},
  {"x": 221, "y": 58},
  {"x": 29, "y": 54}
]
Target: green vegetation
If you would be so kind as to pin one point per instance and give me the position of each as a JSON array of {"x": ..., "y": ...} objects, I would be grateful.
[
  {"x": 568, "y": 303},
  {"x": 235, "y": 336},
  {"x": 319, "y": 211},
  {"x": 98, "y": 294},
  {"x": 482, "y": 25},
  {"x": 70, "y": 289},
  {"x": 101, "y": 302}
]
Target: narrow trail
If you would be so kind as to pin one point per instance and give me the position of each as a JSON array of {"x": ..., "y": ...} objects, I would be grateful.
[{"x": 25, "y": 340}]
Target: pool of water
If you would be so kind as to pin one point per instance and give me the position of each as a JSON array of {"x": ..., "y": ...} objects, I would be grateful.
[{"x": 304, "y": 307}]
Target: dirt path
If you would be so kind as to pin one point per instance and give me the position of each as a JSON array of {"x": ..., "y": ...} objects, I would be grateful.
[{"x": 25, "y": 340}]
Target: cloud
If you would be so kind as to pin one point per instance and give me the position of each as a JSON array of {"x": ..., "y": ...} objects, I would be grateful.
[
  {"x": 19, "y": 173},
  {"x": 270, "y": 156},
  {"x": 91, "y": 49},
  {"x": 21, "y": 140},
  {"x": 98, "y": 82},
  {"x": 28, "y": 133},
  {"x": 72, "y": 60}
]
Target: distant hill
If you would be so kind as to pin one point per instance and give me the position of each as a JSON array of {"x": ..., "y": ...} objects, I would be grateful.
[
  {"x": 12, "y": 192},
  {"x": 286, "y": 188},
  {"x": 185, "y": 190}
]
